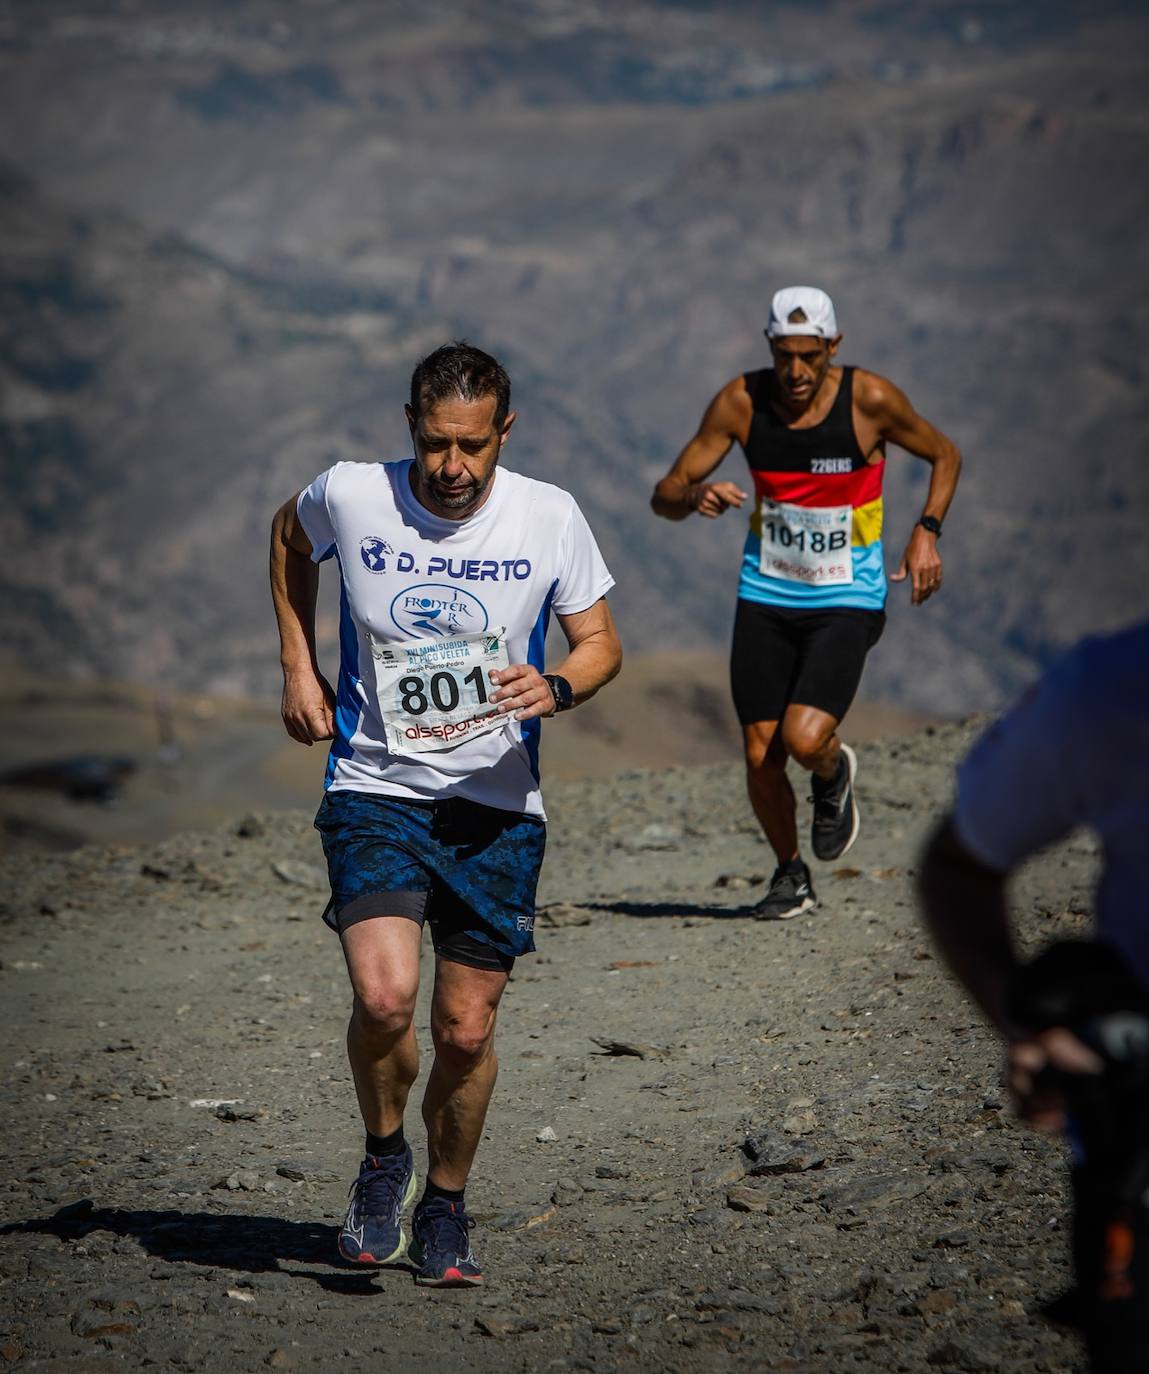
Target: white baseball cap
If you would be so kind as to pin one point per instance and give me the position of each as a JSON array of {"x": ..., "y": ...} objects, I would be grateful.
[{"x": 813, "y": 308}]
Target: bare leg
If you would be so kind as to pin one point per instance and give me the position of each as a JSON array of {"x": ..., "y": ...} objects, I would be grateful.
[
  {"x": 383, "y": 960},
  {"x": 459, "y": 1088},
  {"x": 771, "y": 795},
  {"x": 810, "y": 738}
]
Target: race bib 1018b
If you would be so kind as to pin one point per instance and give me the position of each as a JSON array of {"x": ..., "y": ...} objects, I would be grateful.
[
  {"x": 809, "y": 544},
  {"x": 435, "y": 693}
]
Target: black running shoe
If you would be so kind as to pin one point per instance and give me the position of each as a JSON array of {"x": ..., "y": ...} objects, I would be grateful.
[
  {"x": 373, "y": 1228},
  {"x": 441, "y": 1245},
  {"x": 835, "y": 810},
  {"x": 790, "y": 894}
]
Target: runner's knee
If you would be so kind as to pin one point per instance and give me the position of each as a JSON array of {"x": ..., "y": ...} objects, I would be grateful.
[
  {"x": 463, "y": 1040},
  {"x": 384, "y": 1009},
  {"x": 806, "y": 744}
]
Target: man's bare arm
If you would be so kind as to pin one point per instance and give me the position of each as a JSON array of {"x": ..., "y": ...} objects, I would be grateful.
[
  {"x": 308, "y": 704},
  {"x": 684, "y": 488},
  {"x": 964, "y": 905},
  {"x": 895, "y": 421},
  {"x": 595, "y": 657}
]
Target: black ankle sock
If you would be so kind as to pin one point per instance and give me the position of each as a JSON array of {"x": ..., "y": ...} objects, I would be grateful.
[
  {"x": 447, "y": 1194},
  {"x": 393, "y": 1144},
  {"x": 797, "y": 866}
]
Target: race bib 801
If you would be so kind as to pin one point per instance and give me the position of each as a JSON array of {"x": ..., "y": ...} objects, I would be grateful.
[
  {"x": 435, "y": 693},
  {"x": 809, "y": 544}
]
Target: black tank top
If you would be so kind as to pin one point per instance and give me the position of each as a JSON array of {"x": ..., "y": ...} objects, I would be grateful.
[{"x": 830, "y": 447}]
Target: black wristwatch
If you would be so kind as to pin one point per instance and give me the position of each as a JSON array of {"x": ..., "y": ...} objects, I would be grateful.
[
  {"x": 560, "y": 690},
  {"x": 933, "y": 524}
]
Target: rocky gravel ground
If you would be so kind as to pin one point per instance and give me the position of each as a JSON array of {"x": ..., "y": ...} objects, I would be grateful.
[{"x": 715, "y": 1144}]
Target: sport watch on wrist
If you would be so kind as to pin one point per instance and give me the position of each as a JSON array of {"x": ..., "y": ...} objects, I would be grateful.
[
  {"x": 560, "y": 690},
  {"x": 933, "y": 524}
]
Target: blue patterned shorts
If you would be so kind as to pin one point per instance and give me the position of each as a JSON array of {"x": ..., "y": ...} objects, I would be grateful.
[{"x": 468, "y": 870}]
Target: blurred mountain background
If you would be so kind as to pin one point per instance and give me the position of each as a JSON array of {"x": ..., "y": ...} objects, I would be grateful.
[{"x": 228, "y": 231}]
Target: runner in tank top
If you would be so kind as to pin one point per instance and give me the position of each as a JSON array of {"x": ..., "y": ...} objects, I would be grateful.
[{"x": 812, "y": 588}]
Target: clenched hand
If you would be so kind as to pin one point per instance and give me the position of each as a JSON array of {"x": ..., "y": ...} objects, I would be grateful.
[{"x": 308, "y": 707}]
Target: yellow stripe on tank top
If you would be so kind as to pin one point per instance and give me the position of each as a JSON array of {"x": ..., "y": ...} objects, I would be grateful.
[{"x": 867, "y": 524}]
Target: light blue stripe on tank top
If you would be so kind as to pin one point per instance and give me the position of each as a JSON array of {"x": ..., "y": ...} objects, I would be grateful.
[{"x": 867, "y": 592}]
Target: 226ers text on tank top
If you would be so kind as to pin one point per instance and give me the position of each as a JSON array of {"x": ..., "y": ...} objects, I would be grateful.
[{"x": 815, "y": 537}]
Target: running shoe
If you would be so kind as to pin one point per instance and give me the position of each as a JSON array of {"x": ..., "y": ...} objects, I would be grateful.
[
  {"x": 441, "y": 1245},
  {"x": 835, "y": 810},
  {"x": 373, "y": 1228},
  {"x": 790, "y": 894}
]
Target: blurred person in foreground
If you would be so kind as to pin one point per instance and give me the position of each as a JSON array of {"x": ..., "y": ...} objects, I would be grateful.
[
  {"x": 1073, "y": 752},
  {"x": 450, "y": 567},
  {"x": 812, "y": 587}
]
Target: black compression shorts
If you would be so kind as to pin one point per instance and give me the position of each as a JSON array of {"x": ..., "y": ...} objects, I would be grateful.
[{"x": 782, "y": 657}]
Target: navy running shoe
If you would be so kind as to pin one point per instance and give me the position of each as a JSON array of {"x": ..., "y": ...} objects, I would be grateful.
[
  {"x": 441, "y": 1245},
  {"x": 372, "y": 1231}
]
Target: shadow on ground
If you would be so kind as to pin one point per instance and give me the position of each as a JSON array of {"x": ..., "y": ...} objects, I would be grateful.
[
  {"x": 252, "y": 1244},
  {"x": 656, "y": 909}
]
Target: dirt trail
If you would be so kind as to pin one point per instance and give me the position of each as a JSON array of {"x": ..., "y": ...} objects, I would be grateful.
[{"x": 918, "y": 1230}]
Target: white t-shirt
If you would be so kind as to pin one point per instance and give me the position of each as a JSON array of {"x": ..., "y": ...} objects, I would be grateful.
[
  {"x": 1074, "y": 751},
  {"x": 406, "y": 576}
]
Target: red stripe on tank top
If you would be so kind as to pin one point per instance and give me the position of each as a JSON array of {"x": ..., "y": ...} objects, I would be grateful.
[{"x": 822, "y": 489}]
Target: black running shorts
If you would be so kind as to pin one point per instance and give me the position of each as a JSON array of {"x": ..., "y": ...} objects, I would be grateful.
[{"x": 782, "y": 657}]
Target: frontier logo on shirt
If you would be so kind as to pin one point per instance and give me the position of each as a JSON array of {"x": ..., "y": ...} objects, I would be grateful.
[{"x": 436, "y": 608}]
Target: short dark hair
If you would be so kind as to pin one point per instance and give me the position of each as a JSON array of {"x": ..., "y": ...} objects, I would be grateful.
[{"x": 460, "y": 369}]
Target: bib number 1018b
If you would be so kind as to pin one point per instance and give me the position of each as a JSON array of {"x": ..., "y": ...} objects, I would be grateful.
[
  {"x": 807, "y": 544},
  {"x": 816, "y": 541}
]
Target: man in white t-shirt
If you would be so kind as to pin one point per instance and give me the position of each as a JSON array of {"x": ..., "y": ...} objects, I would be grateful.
[{"x": 450, "y": 568}]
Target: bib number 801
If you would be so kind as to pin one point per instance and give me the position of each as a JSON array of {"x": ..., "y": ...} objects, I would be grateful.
[{"x": 442, "y": 688}]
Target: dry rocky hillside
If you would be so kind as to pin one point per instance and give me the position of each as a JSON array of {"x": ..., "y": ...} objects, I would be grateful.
[
  {"x": 715, "y": 1144},
  {"x": 227, "y": 231}
]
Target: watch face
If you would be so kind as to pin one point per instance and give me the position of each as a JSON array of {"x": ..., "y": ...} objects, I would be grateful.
[{"x": 560, "y": 690}]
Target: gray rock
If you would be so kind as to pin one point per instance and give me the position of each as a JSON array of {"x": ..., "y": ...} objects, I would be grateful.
[
  {"x": 739, "y": 882},
  {"x": 227, "y": 1113},
  {"x": 562, "y": 916},
  {"x": 731, "y": 1300},
  {"x": 732, "y": 1170},
  {"x": 299, "y": 874},
  {"x": 505, "y": 1326},
  {"x": 565, "y": 1193},
  {"x": 654, "y": 836},
  {"x": 774, "y": 1154},
  {"x": 963, "y": 1355},
  {"x": 750, "y": 1197},
  {"x": 523, "y": 1218},
  {"x": 242, "y": 1181},
  {"x": 873, "y": 1194}
]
